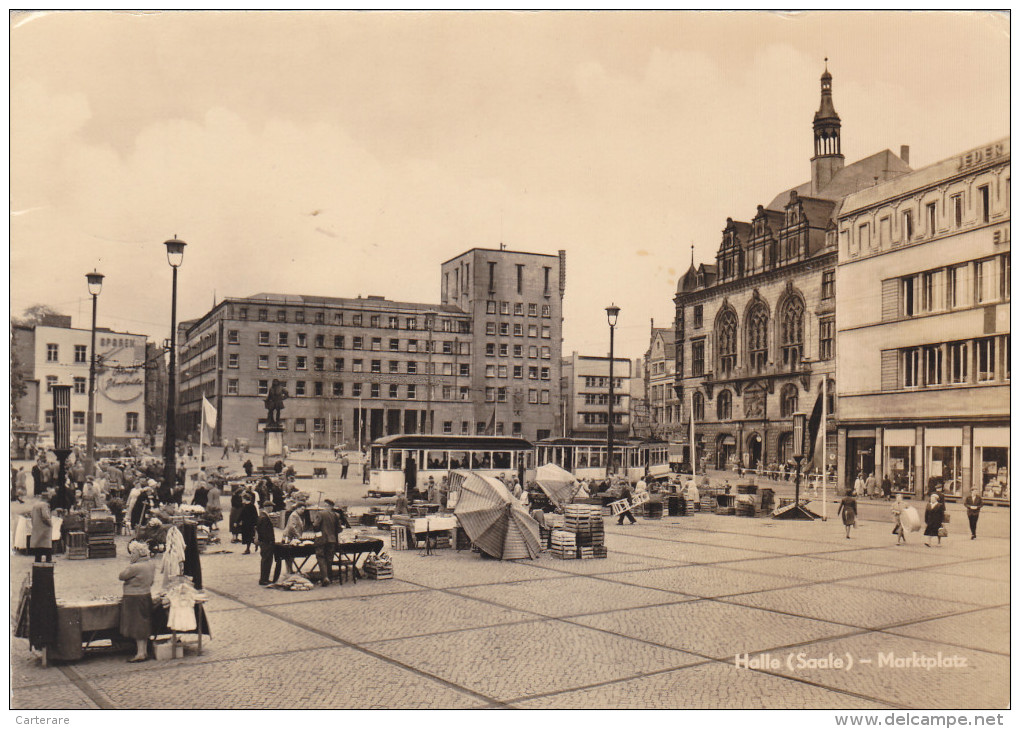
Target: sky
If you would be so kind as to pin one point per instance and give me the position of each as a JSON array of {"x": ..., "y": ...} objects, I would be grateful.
[{"x": 346, "y": 154}]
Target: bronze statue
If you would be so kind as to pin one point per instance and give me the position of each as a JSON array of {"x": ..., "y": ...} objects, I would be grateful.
[{"x": 274, "y": 402}]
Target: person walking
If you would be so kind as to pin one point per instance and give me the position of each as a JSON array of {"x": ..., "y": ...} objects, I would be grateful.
[
  {"x": 247, "y": 520},
  {"x": 328, "y": 524},
  {"x": 267, "y": 542},
  {"x": 345, "y": 463},
  {"x": 871, "y": 486},
  {"x": 898, "y": 529},
  {"x": 848, "y": 509},
  {"x": 249, "y": 469},
  {"x": 625, "y": 495},
  {"x": 973, "y": 503},
  {"x": 859, "y": 485},
  {"x": 236, "y": 502},
  {"x": 42, "y": 529},
  {"x": 226, "y": 452},
  {"x": 136, "y": 603},
  {"x": 934, "y": 516}
]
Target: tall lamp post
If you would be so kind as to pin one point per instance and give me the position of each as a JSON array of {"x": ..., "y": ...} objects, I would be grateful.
[
  {"x": 795, "y": 510},
  {"x": 612, "y": 313},
  {"x": 95, "y": 280},
  {"x": 175, "y": 257}
]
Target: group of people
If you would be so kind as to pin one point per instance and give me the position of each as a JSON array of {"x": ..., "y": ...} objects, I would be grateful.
[
  {"x": 866, "y": 485},
  {"x": 935, "y": 516},
  {"x": 327, "y": 522}
]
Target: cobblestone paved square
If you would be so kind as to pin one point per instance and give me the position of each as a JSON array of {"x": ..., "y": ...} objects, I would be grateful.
[
  {"x": 705, "y": 580},
  {"x": 993, "y": 569},
  {"x": 986, "y": 630},
  {"x": 706, "y": 686},
  {"x": 813, "y": 569},
  {"x": 712, "y": 629},
  {"x": 931, "y": 584},
  {"x": 514, "y": 662}
]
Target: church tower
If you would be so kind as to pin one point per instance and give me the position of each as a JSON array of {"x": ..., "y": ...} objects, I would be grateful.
[{"x": 828, "y": 159}]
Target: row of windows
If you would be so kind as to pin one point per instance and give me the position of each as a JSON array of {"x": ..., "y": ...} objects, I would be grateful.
[
  {"x": 828, "y": 292},
  {"x": 950, "y": 363},
  {"x": 534, "y": 373},
  {"x": 374, "y": 320},
  {"x": 503, "y": 350},
  {"x": 79, "y": 383},
  {"x": 499, "y": 394},
  {"x": 789, "y": 399},
  {"x": 600, "y": 418},
  {"x": 518, "y": 309},
  {"x": 601, "y": 399},
  {"x": 955, "y": 287},
  {"x": 503, "y": 329},
  {"x": 411, "y": 367},
  {"x": 480, "y": 427},
  {"x": 863, "y": 239},
  {"x": 81, "y": 353},
  {"x": 78, "y": 420},
  {"x": 339, "y": 342},
  {"x": 602, "y": 382}
]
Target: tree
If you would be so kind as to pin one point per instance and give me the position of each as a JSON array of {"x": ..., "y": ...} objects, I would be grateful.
[
  {"x": 18, "y": 387},
  {"x": 35, "y": 314}
]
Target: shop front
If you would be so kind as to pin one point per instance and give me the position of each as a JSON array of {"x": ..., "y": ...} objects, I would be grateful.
[
  {"x": 991, "y": 463},
  {"x": 860, "y": 455},
  {"x": 898, "y": 458},
  {"x": 943, "y": 460}
]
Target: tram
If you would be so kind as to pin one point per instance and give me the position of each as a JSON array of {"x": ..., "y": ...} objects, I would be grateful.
[
  {"x": 394, "y": 457},
  {"x": 587, "y": 457}
]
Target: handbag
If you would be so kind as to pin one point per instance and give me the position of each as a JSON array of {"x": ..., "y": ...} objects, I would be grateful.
[
  {"x": 945, "y": 518},
  {"x": 943, "y": 532}
]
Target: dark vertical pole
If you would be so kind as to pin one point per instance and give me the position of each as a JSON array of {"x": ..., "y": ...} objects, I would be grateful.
[
  {"x": 90, "y": 432},
  {"x": 609, "y": 439},
  {"x": 169, "y": 439}
]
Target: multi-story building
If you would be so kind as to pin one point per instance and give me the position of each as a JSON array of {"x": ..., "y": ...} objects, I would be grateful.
[
  {"x": 586, "y": 396},
  {"x": 923, "y": 339},
  {"x": 755, "y": 331},
  {"x": 356, "y": 369},
  {"x": 665, "y": 414},
  {"x": 57, "y": 354}
]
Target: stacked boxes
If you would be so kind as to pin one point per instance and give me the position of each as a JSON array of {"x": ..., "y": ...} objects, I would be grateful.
[
  {"x": 584, "y": 522},
  {"x": 100, "y": 528},
  {"x": 77, "y": 545},
  {"x": 563, "y": 544}
]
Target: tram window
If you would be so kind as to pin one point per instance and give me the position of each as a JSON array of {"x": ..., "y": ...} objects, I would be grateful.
[
  {"x": 436, "y": 460},
  {"x": 529, "y": 460},
  {"x": 501, "y": 459},
  {"x": 396, "y": 459},
  {"x": 459, "y": 459},
  {"x": 481, "y": 459},
  {"x": 582, "y": 457},
  {"x": 376, "y": 453}
]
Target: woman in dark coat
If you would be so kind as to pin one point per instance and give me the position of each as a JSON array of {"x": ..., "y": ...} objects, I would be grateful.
[
  {"x": 248, "y": 520},
  {"x": 236, "y": 502},
  {"x": 848, "y": 508},
  {"x": 934, "y": 516}
]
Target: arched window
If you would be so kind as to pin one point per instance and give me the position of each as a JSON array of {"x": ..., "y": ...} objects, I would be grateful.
[
  {"x": 698, "y": 404},
  {"x": 724, "y": 405},
  {"x": 758, "y": 338},
  {"x": 788, "y": 400},
  {"x": 791, "y": 331},
  {"x": 726, "y": 334}
]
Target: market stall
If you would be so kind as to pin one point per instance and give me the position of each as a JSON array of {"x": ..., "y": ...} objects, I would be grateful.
[{"x": 347, "y": 555}]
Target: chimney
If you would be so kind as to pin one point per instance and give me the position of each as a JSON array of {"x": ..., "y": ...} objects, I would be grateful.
[{"x": 905, "y": 153}]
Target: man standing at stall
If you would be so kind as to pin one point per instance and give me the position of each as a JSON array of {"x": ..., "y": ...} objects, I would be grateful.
[
  {"x": 267, "y": 541},
  {"x": 327, "y": 524}
]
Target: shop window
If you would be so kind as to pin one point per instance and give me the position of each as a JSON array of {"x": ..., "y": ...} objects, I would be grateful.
[
  {"x": 899, "y": 467},
  {"x": 945, "y": 470},
  {"x": 994, "y": 473}
]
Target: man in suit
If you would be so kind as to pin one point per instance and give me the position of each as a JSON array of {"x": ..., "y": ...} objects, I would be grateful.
[
  {"x": 328, "y": 524},
  {"x": 267, "y": 541},
  {"x": 973, "y": 503}
]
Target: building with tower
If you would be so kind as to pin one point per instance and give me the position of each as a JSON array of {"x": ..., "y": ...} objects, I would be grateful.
[{"x": 755, "y": 330}]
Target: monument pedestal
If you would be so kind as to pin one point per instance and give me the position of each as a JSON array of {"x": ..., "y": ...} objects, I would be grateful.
[{"x": 273, "y": 446}]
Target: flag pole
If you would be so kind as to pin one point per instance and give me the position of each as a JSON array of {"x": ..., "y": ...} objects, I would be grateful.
[
  {"x": 825, "y": 448},
  {"x": 693, "y": 449},
  {"x": 201, "y": 435}
]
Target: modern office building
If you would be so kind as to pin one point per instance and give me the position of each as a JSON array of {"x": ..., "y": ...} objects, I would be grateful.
[
  {"x": 482, "y": 360},
  {"x": 55, "y": 353},
  {"x": 923, "y": 335},
  {"x": 755, "y": 331},
  {"x": 586, "y": 396}
]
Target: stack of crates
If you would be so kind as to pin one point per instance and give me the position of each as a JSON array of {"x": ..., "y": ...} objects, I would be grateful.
[
  {"x": 563, "y": 544},
  {"x": 77, "y": 545},
  {"x": 398, "y": 537},
  {"x": 585, "y": 522},
  {"x": 100, "y": 528}
]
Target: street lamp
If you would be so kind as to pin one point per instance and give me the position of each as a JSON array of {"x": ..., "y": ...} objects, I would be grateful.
[
  {"x": 795, "y": 510},
  {"x": 95, "y": 280},
  {"x": 612, "y": 313},
  {"x": 175, "y": 257}
]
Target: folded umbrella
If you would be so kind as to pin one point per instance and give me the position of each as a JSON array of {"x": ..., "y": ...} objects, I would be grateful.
[{"x": 493, "y": 518}]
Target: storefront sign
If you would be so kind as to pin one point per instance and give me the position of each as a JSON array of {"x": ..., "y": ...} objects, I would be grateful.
[
  {"x": 123, "y": 387},
  {"x": 983, "y": 155}
]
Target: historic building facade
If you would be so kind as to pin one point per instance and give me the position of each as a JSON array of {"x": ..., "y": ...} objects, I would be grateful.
[
  {"x": 586, "y": 396},
  {"x": 755, "y": 331},
  {"x": 923, "y": 337},
  {"x": 483, "y": 360},
  {"x": 663, "y": 407}
]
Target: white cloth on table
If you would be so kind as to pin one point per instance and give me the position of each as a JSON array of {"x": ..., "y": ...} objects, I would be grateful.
[
  {"x": 181, "y": 616},
  {"x": 173, "y": 556}
]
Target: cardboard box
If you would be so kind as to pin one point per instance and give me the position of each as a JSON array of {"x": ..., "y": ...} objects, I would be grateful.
[{"x": 163, "y": 649}]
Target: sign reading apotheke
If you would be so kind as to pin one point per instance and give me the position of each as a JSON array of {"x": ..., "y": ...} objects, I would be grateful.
[{"x": 123, "y": 386}]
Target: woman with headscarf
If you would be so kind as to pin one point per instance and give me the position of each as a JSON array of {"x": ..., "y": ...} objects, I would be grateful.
[
  {"x": 136, "y": 604},
  {"x": 934, "y": 516},
  {"x": 897, "y": 511},
  {"x": 248, "y": 519}
]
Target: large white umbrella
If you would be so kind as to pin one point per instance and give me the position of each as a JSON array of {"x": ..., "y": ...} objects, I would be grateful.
[
  {"x": 557, "y": 483},
  {"x": 493, "y": 518}
]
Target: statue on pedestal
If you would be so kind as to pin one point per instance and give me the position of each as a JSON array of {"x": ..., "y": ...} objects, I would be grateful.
[{"x": 274, "y": 404}]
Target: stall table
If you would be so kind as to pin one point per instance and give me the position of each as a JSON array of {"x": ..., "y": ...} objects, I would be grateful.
[{"x": 347, "y": 553}]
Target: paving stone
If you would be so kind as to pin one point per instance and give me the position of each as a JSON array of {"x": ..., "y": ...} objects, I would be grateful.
[
  {"x": 855, "y": 606},
  {"x": 399, "y": 616},
  {"x": 993, "y": 569},
  {"x": 911, "y": 556},
  {"x": 27, "y": 669},
  {"x": 710, "y": 628},
  {"x": 332, "y": 678},
  {"x": 986, "y": 630},
  {"x": 982, "y": 684},
  {"x": 56, "y": 697},
  {"x": 710, "y": 686},
  {"x": 450, "y": 568},
  {"x": 811, "y": 569},
  {"x": 569, "y": 596},
  {"x": 704, "y": 580},
  {"x": 514, "y": 662},
  {"x": 681, "y": 551},
  {"x": 614, "y": 562},
  {"x": 259, "y": 595},
  {"x": 931, "y": 584}
]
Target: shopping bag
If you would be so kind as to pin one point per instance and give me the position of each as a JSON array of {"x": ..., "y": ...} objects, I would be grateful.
[
  {"x": 911, "y": 519},
  {"x": 943, "y": 532}
]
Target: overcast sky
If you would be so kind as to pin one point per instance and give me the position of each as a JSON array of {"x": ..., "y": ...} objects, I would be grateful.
[{"x": 341, "y": 154}]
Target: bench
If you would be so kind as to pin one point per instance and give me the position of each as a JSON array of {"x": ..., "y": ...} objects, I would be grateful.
[{"x": 319, "y": 473}]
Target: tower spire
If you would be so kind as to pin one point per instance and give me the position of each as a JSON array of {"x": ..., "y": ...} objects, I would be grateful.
[{"x": 828, "y": 159}]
